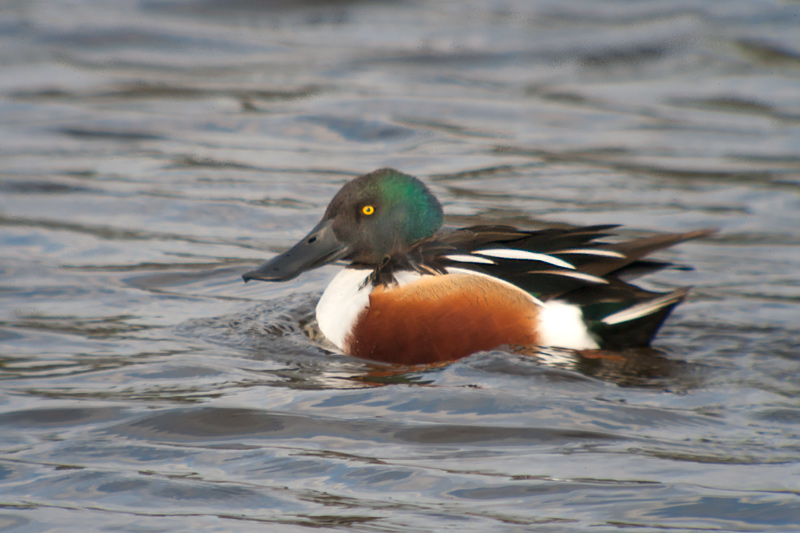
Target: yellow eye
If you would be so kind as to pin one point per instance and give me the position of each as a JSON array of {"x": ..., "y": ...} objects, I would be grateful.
[{"x": 367, "y": 209}]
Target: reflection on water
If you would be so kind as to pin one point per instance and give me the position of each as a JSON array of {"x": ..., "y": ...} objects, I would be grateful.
[{"x": 155, "y": 150}]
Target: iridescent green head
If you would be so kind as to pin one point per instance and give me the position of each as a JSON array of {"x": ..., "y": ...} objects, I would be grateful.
[
  {"x": 383, "y": 211},
  {"x": 370, "y": 217}
]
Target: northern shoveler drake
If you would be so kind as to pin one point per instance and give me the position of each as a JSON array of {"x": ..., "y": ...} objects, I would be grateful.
[{"x": 412, "y": 294}]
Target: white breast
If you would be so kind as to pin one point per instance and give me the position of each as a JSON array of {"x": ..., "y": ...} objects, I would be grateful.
[{"x": 345, "y": 298}]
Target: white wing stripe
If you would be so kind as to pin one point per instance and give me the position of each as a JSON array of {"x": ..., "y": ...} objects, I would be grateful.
[
  {"x": 505, "y": 253},
  {"x": 641, "y": 309},
  {"x": 572, "y": 274},
  {"x": 462, "y": 258},
  {"x": 592, "y": 251}
]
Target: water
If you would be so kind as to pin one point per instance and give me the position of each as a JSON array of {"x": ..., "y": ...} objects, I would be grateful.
[{"x": 154, "y": 150}]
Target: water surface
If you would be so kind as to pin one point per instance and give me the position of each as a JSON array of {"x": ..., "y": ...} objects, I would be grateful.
[{"x": 154, "y": 150}]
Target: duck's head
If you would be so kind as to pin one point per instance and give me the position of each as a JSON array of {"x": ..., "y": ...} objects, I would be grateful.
[{"x": 370, "y": 216}]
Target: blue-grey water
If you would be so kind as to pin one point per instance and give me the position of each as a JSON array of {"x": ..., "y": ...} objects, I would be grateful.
[{"x": 153, "y": 150}]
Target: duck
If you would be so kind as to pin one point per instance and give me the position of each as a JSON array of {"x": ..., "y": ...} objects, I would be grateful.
[{"x": 413, "y": 293}]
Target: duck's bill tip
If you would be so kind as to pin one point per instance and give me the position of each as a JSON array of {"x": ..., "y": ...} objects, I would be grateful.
[
  {"x": 264, "y": 274},
  {"x": 282, "y": 267},
  {"x": 316, "y": 249}
]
